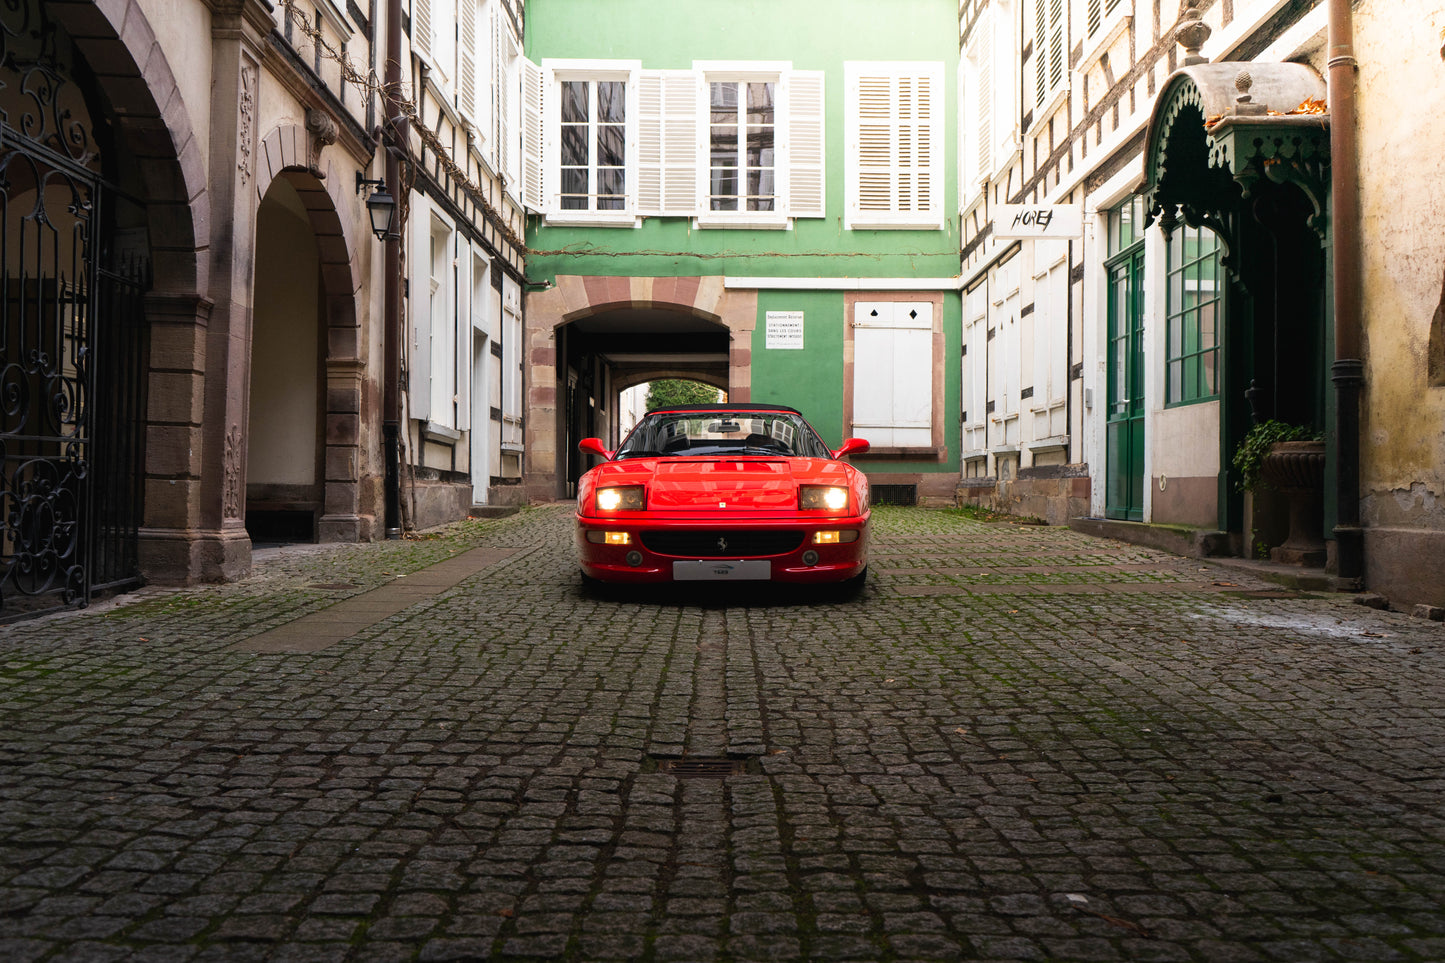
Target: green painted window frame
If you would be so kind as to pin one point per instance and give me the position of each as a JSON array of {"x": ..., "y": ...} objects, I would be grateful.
[{"x": 1194, "y": 315}]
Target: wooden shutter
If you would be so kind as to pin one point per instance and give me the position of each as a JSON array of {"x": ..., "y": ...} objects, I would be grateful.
[
  {"x": 1048, "y": 49},
  {"x": 421, "y": 28},
  {"x": 875, "y": 148},
  {"x": 893, "y": 373},
  {"x": 807, "y": 195},
  {"x": 534, "y": 193},
  {"x": 895, "y": 153},
  {"x": 467, "y": 60},
  {"x": 667, "y": 138},
  {"x": 418, "y": 311},
  {"x": 1041, "y": 52},
  {"x": 1056, "y": 44},
  {"x": 983, "y": 98}
]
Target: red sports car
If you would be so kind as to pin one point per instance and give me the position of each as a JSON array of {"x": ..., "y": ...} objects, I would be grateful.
[{"x": 725, "y": 492}]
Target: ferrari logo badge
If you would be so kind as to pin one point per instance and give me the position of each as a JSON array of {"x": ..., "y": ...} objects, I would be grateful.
[{"x": 722, "y": 545}]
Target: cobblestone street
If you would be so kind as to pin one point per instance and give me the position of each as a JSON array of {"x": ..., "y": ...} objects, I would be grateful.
[{"x": 1021, "y": 743}]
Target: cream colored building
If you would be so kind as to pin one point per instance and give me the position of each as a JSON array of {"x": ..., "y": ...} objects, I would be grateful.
[
  {"x": 195, "y": 331},
  {"x": 1188, "y": 281}
]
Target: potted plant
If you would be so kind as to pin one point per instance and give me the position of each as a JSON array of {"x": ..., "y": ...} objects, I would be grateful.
[{"x": 1289, "y": 459}]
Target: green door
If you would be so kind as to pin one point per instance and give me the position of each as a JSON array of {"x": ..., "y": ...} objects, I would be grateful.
[{"x": 1124, "y": 468}]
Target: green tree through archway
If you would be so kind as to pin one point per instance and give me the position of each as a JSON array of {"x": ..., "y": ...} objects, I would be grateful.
[{"x": 668, "y": 392}]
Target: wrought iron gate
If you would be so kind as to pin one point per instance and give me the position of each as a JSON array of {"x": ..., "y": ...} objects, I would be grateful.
[{"x": 73, "y": 338}]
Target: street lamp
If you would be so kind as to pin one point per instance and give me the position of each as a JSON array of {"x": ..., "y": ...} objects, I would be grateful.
[{"x": 380, "y": 206}]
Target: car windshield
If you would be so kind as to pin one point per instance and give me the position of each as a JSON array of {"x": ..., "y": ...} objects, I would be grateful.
[{"x": 761, "y": 433}]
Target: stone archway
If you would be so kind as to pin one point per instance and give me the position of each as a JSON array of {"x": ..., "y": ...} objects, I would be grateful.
[
  {"x": 573, "y": 298},
  {"x": 153, "y": 161},
  {"x": 289, "y": 153}
]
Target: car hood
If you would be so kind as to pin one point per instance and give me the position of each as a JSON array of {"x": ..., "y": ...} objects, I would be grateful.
[{"x": 760, "y": 484}]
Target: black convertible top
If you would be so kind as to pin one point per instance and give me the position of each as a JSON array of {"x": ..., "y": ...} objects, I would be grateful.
[{"x": 727, "y": 406}]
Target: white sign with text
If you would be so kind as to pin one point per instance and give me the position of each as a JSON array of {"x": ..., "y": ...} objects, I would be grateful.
[
  {"x": 1037, "y": 221},
  {"x": 785, "y": 329}
]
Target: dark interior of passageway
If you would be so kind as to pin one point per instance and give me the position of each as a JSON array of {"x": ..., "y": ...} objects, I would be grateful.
[{"x": 601, "y": 355}]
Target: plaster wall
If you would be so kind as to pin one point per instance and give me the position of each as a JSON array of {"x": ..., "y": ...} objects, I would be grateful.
[
  {"x": 284, "y": 363},
  {"x": 183, "y": 30},
  {"x": 1401, "y": 163}
]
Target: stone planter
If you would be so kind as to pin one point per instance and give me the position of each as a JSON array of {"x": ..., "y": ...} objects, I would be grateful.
[{"x": 1296, "y": 469}]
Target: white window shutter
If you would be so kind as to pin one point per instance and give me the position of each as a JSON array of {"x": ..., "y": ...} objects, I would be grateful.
[
  {"x": 1056, "y": 44},
  {"x": 679, "y": 143},
  {"x": 464, "y": 334},
  {"x": 1041, "y": 52},
  {"x": 895, "y": 136},
  {"x": 893, "y": 373},
  {"x": 496, "y": 97},
  {"x": 418, "y": 310},
  {"x": 467, "y": 60},
  {"x": 984, "y": 100},
  {"x": 421, "y": 17},
  {"x": 875, "y": 150},
  {"x": 534, "y": 193},
  {"x": 667, "y": 143},
  {"x": 650, "y": 131},
  {"x": 807, "y": 196}
]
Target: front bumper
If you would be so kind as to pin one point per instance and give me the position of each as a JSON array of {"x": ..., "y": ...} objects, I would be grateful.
[{"x": 637, "y": 562}]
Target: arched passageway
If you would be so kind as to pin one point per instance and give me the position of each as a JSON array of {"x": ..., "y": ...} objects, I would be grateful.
[
  {"x": 588, "y": 336},
  {"x": 284, "y": 470},
  {"x": 97, "y": 233},
  {"x": 600, "y": 355}
]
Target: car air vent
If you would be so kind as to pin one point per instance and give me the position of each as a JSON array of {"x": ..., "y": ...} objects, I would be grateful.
[{"x": 722, "y": 544}]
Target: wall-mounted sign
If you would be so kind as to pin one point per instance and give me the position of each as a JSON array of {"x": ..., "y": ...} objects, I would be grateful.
[
  {"x": 1038, "y": 221},
  {"x": 785, "y": 329}
]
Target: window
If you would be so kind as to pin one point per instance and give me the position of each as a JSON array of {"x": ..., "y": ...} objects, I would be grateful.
[
  {"x": 761, "y": 126},
  {"x": 741, "y": 146},
  {"x": 1195, "y": 285},
  {"x": 894, "y": 145},
  {"x": 735, "y": 144},
  {"x": 593, "y": 141},
  {"x": 893, "y": 378}
]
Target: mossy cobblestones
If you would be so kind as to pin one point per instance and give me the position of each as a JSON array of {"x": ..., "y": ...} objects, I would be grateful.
[{"x": 1021, "y": 743}]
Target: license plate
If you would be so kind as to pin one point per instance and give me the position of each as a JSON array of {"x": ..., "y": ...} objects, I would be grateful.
[{"x": 743, "y": 570}]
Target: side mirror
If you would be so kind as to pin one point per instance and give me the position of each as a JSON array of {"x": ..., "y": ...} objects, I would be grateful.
[
  {"x": 593, "y": 446},
  {"x": 851, "y": 446}
]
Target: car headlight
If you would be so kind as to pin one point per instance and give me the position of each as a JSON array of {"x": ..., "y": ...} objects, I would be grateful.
[
  {"x": 632, "y": 498},
  {"x": 824, "y": 497}
]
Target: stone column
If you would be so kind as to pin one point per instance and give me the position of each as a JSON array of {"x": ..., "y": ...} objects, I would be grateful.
[{"x": 195, "y": 498}]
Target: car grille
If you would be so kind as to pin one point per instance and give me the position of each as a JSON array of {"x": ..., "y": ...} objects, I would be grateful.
[{"x": 717, "y": 544}]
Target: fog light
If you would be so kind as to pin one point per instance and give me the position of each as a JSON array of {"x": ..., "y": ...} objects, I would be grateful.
[
  {"x": 634, "y": 558},
  {"x": 609, "y": 538},
  {"x": 834, "y": 538},
  {"x": 810, "y": 557}
]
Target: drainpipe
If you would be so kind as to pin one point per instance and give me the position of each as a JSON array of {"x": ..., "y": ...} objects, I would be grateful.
[
  {"x": 394, "y": 141},
  {"x": 1348, "y": 371}
]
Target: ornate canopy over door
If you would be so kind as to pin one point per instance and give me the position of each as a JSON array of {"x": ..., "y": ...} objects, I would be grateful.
[{"x": 1243, "y": 149}]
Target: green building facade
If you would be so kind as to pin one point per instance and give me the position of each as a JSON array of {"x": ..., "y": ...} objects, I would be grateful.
[{"x": 757, "y": 195}]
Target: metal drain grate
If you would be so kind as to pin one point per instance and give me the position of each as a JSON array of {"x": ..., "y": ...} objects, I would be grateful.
[
  {"x": 893, "y": 495},
  {"x": 702, "y": 767},
  {"x": 332, "y": 586}
]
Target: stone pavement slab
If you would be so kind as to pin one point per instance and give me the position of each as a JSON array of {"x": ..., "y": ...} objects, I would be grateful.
[{"x": 1021, "y": 743}]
